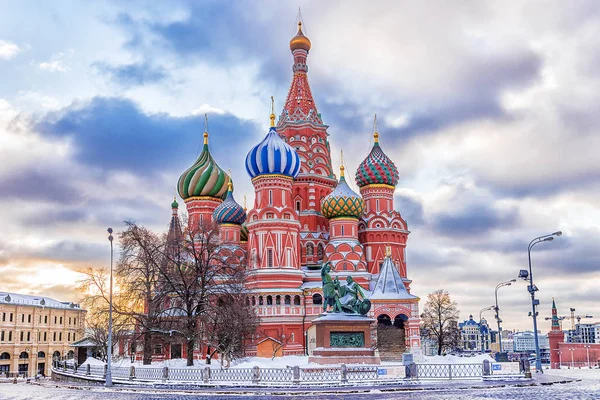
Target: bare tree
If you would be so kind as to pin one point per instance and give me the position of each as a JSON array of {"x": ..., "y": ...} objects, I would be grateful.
[
  {"x": 200, "y": 272},
  {"x": 229, "y": 326},
  {"x": 97, "y": 306},
  {"x": 440, "y": 320},
  {"x": 136, "y": 295},
  {"x": 138, "y": 273}
]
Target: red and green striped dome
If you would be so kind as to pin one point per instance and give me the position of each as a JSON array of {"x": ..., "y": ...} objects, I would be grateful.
[
  {"x": 343, "y": 201},
  {"x": 204, "y": 178},
  {"x": 377, "y": 168}
]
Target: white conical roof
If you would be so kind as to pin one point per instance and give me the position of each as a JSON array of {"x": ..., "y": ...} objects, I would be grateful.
[{"x": 389, "y": 285}]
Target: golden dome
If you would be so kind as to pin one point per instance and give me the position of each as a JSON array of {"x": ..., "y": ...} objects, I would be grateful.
[{"x": 300, "y": 41}]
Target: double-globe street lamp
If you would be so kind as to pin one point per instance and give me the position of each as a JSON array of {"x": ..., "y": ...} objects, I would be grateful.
[
  {"x": 498, "y": 286},
  {"x": 531, "y": 288},
  {"x": 108, "y": 382},
  {"x": 480, "y": 332}
]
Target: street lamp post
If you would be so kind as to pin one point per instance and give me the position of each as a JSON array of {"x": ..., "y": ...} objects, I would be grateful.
[
  {"x": 108, "y": 381},
  {"x": 587, "y": 350},
  {"x": 532, "y": 289},
  {"x": 480, "y": 333},
  {"x": 572, "y": 360},
  {"x": 498, "y": 286},
  {"x": 559, "y": 359}
]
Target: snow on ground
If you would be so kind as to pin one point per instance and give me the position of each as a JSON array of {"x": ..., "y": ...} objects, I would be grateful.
[
  {"x": 281, "y": 362},
  {"x": 583, "y": 373},
  {"x": 478, "y": 359},
  {"x": 92, "y": 361}
]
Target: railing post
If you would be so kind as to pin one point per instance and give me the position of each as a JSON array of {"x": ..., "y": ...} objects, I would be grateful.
[
  {"x": 343, "y": 373},
  {"x": 296, "y": 375},
  {"x": 486, "y": 367},
  {"x": 64, "y": 366},
  {"x": 131, "y": 373},
  {"x": 75, "y": 366},
  {"x": 450, "y": 371},
  {"x": 87, "y": 369},
  {"x": 206, "y": 375},
  {"x": 255, "y": 374},
  {"x": 105, "y": 369},
  {"x": 414, "y": 371},
  {"x": 165, "y": 374}
]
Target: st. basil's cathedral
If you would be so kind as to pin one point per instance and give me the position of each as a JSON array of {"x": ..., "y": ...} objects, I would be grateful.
[{"x": 303, "y": 216}]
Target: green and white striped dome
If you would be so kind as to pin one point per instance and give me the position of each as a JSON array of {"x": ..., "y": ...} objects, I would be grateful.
[{"x": 204, "y": 178}]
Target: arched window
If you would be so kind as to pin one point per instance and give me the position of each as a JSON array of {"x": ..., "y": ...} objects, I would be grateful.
[
  {"x": 253, "y": 300},
  {"x": 320, "y": 251},
  {"x": 247, "y": 301},
  {"x": 23, "y": 355},
  {"x": 260, "y": 300},
  {"x": 70, "y": 354},
  {"x": 296, "y": 300},
  {"x": 56, "y": 354},
  {"x": 278, "y": 300},
  {"x": 287, "y": 300},
  {"x": 269, "y": 300},
  {"x": 310, "y": 248},
  {"x": 317, "y": 298},
  {"x": 5, "y": 356},
  {"x": 298, "y": 205},
  {"x": 384, "y": 320}
]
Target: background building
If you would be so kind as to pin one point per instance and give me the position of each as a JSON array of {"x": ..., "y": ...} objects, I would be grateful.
[
  {"x": 475, "y": 336},
  {"x": 34, "y": 329}
]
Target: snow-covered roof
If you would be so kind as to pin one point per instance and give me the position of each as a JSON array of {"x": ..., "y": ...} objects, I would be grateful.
[
  {"x": 36, "y": 301},
  {"x": 85, "y": 342},
  {"x": 389, "y": 284}
]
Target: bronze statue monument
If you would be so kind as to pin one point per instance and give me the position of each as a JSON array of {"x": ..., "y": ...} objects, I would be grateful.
[{"x": 343, "y": 298}]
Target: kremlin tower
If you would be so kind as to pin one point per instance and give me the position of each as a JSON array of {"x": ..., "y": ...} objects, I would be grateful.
[{"x": 302, "y": 217}]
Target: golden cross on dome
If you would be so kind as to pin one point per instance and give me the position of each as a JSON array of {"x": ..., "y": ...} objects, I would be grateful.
[
  {"x": 375, "y": 133},
  {"x": 272, "y": 116},
  {"x": 205, "y": 128}
]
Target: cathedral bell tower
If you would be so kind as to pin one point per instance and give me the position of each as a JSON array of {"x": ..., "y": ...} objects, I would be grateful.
[{"x": 273, "y": 227}]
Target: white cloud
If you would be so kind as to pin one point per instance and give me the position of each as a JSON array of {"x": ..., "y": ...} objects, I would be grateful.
[
  {"x": 8, "y": 50},
  {"x": 57, "y": 62},
  {"x": 207, "y": 109}
]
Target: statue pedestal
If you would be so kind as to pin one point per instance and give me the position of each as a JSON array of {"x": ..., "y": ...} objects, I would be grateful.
[{"x": 343, "y": 339}]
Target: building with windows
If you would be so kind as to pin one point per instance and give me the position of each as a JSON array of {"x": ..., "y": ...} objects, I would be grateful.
[
  {"x": 34, "y": 329},
  {"x": 303, "y": 216},
  {"x": 475, "y": 336},
  {"x": 584, "y": 333}
]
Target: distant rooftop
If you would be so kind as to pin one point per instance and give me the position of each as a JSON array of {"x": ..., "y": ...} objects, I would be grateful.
[{"x": 36, "y": 301}]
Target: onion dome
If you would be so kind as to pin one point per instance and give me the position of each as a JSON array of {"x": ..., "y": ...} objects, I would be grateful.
[
  {"x": 204, "y": 178},
  {"x": 272, "y": 156},
  {"x": 300, "y": 41},
  {"x": 229, "y": 211},
  {"x": 342, "y": 202},
  {"x": 244, "y": 233},
  {"x": 377, "y": 168}
]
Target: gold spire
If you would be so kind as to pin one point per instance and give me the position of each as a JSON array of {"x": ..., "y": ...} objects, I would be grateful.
[
  {"x": 375, "y": 134},
  {"x": 272, "y": 116},
  {"x": 205, "y": 128},
  {"x": 245, "y": 208},
  {"x": 342, "y": 168}
]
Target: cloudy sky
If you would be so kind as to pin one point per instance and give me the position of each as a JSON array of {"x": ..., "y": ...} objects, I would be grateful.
[{"x": 489, "y": 110}]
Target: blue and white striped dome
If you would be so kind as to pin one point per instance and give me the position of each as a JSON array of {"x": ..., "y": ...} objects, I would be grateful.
[{"x": 272, "y": 156}]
